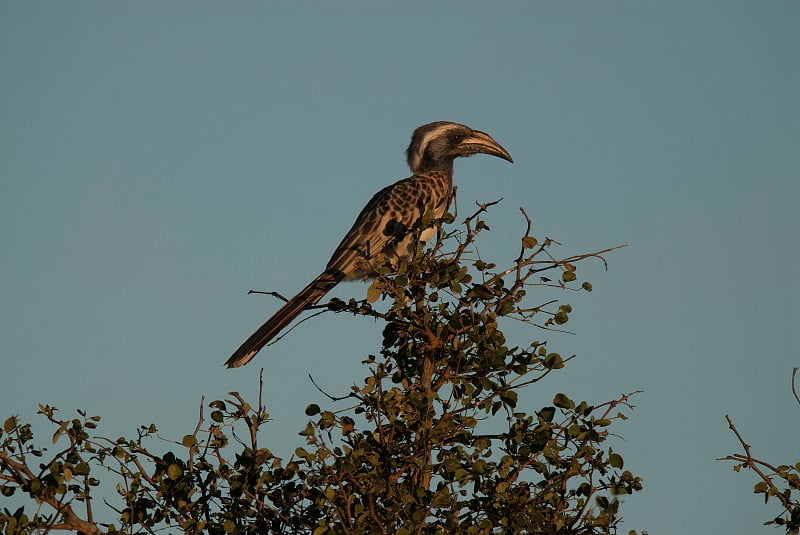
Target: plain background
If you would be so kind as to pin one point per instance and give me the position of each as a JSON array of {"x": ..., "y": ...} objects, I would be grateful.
[{"x": 159, "y": 159}]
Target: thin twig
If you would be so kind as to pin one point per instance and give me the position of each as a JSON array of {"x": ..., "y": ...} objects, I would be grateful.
[
  {"x": 330, "y": 397},
  {"x": 748, "y": 460}
]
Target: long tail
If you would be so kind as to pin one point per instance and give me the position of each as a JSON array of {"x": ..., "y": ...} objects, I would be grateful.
[{"x": 308, "y": 296}]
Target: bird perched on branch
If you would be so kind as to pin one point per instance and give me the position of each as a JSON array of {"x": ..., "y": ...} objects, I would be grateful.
[{"x": 385, "y": 224}]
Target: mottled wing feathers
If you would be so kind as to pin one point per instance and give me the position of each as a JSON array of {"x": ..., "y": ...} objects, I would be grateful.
[{"x": 383, "y": 225}]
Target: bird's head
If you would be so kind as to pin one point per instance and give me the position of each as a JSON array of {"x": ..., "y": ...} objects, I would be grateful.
[{"x": 435, "y": 145}]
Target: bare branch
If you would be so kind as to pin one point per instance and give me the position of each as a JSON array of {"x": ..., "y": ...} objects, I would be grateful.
[
  {"x": 750, "y": 462},
  {"x": 329, "y": 396}
]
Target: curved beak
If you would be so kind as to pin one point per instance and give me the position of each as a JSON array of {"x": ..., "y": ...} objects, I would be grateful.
[{"x": 485, "y": 144}]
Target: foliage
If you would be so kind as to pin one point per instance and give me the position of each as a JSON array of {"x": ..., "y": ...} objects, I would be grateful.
[
  {"x": 434, "y": 439},
  {"x": 787, "y": 476}
]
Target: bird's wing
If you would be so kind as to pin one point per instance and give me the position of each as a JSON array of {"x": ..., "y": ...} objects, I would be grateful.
[{"x": 385, "y": 220}]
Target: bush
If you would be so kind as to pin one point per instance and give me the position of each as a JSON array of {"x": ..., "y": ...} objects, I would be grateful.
[{"x": 433, "y": 440}]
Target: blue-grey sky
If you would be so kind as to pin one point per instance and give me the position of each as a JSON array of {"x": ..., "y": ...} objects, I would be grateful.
[{"x": 157, "y": 160}]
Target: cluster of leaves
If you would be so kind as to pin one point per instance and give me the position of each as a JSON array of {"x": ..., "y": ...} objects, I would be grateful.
[
  {"x": 433, "y": 441},
  {"x": 776, "y": 483}
]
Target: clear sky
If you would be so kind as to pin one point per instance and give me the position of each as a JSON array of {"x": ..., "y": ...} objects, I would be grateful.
[{"x": 159, "y": 159}]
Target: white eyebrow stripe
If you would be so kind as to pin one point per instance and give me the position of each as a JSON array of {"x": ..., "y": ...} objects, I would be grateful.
[{"x": 426, "y": 139}]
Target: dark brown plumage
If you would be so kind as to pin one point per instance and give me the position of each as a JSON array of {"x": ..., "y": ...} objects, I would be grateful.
[{"x": 383, "y": 226}]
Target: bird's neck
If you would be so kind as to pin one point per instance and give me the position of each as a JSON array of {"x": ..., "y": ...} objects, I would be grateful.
[{"x": 429, "y": 167}]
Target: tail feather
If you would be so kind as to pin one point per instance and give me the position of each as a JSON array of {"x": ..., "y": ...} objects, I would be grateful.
[{"x": 308, "y": 296}]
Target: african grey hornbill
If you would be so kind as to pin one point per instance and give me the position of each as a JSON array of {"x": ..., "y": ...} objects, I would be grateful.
[{"x": 386, "y": 222}]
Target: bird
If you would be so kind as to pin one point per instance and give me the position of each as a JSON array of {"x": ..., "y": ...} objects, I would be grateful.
[{"x": 386, "y": 224}]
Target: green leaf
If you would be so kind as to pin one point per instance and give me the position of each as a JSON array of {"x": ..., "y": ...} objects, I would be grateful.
[
  {"x": 174, "y": 471},
  {"x": 189, "y": 441},
  {"x": 442, "y": 498},
  {"x": 563, "y": 402},
  {"x": 529, "y": 242},
  {"x": 587, "y": 286},
  {"x": 59, "y": 432},
  {"x": 547, "y": 413},
  {"x": 217, "y": 416},
  {"x": 327, "y": 419},
  {"x": 615, "y": 460},
  {"x": 312, "y": 409},
  {"x": 374, "y": 291},
  {"x": 81, "y": 469},
  {"x": 9, "y": 424},
  {"x": 553, "y": 361},
  {"x": 509, "y": 398},
  {"x": 568, "y": 276},
  {"x": 481, "y": 292}
]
